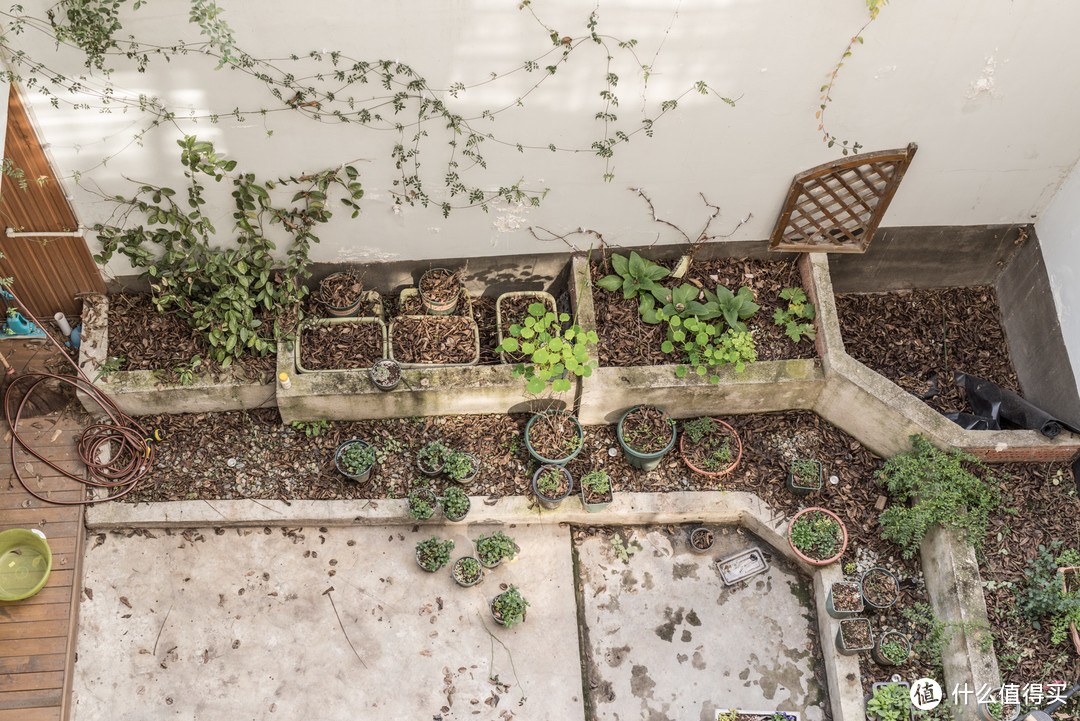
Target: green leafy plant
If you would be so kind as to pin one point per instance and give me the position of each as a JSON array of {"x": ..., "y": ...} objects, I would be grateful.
[
  {"x": 459, "y": 466},
  {"x": 805, "y": 471},
  {"x": 934, "y": 634},
  {"x": 357, "y": 458},
  {"x": 434, "y": 553},
  {"x": 433, "y": 455},
  {"x": 552, "y": 350},
  {"x": 112, "y": 365},
  {"x": 311, "y": 429},
  {"x": 421, "y": 504},
  {"x": 510, "y": 606},
  {"x": 636, "y": 277},
  {"x": 548, "y": 481},
  {"x": 735, "y": 307},
  {"x": 186, "y": 371},
  {"x": 682, "y": 302},
  {"x": 942, "y": 491},
  {"x": 890, "y": 703},
  {"x": 455, "y": 502},
  {"x": 698, "y": 428},
  {"x": 598, "y": 482},
  {"x": 494, "y": 548},
  {"x": 850, "y": 568},
  {"x": 816, "y": 535},
  {"x": 467, "y": 569},
  {"x": 894, "y": 649},
  {"x": 622, "y": 549},
  {"x": 1044, "y": 598},
  {"x": 238, "y": 298},
  {"x": 797, "y": 316}
]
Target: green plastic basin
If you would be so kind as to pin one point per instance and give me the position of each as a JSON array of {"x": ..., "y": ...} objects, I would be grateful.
[{"x": 25, "y": 563}]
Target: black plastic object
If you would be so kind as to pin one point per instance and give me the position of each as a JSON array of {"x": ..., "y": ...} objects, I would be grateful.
[{"x": 991, "y": 403}]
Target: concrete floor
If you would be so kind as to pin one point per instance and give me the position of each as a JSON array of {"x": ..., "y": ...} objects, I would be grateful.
[
  {"x": 667, "y": 641},
  {"x": 237, "y": 626}
]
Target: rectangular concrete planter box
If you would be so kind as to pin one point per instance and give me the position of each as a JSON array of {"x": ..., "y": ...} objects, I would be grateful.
[
  {"x": 763, "y": 386},
  {"x": 139, "y": 393},
  {"x": 332, "y": 322}
]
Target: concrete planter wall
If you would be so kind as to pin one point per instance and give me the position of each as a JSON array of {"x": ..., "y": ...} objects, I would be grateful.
[{"x": 140, "y": 393}]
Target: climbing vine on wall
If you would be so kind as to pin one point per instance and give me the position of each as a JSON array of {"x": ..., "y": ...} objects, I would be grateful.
[{"x": 331, "y": 86}]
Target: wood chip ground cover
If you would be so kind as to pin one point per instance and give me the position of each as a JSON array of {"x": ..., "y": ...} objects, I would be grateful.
[
  {"x": 627, "y": 340},
  {"x": 339, "y": 346},
  {"x": 915, "y": 337},
  {"x": 238, "y": 455}
]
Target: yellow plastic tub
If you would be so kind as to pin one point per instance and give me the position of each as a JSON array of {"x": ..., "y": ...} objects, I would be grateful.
[{"x": 25, "y": 563}]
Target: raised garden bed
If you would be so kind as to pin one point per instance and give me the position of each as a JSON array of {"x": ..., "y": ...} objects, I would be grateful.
[
  {"x": 434, "y": 341},
  {"x": 160, "y": 371},
  {"x": 340, "y": 344}
]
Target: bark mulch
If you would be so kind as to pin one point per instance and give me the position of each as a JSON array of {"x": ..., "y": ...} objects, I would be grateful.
[
  {"x": 627, "y": 340},
  {"x": 440, "y": 285},
  {"x": 433, "y": 339},
  {"x": 340, "y": 346},
  {"x": 160, "y": 342},
  {"x": 251, "y": 455},
  {"x": 341, "y": 289},
  {"x": 918, "y": 338}
]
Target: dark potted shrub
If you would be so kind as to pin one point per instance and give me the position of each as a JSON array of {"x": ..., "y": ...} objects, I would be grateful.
[
  {"x": 461, "y": 467},
  {"x": 455, "y": 504},
  {"x": 385, "y": 374},
  {"x": 552, "y": 484},
  {"x": 355, "y": 459},
  {"x": 804, "y": 476},
  {"x": 879, "y": 588},
  {"x": 853, "y": 636},
  {"x": 596, "y": 491},
  {"x": 433, "y": 553},
  {"x": 431, "y": 457},
  {"x": 701, "y": 540},
  {"x": 422, "y": 503},
  {"x": 491, "y": 550},
  {"x": 817, "y": 536},
  {"x": 844, "y": 600},
  {"x": 554, "y": 437},
  {"x": 710, "y": 446},
  {"x": 440, "y": 291},
  {"x": 645, "y": 434},
  {"x": 889, "y": 702},
  {"x": 892, "y": 649},
  {"x": 509, "y": 607},
  {"x": 467, "y": 571}
]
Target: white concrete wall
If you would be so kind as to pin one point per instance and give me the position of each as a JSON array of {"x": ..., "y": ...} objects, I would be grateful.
[
  {"x": 1059, "y": 239},
  {"x": 985, "y": 87}
]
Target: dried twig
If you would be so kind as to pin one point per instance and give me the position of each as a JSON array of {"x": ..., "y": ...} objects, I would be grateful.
[
  {"x": 342, "y": 625},
  {"x": 162, "y": 628}
]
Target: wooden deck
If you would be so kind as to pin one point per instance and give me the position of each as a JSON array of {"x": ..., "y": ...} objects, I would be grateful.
[{"x": 37, "y": 636}]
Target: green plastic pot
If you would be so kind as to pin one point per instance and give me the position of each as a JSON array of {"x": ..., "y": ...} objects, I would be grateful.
[
  {"x": 554, "y": 461},
  {"x": 644, "y": 461},
  {"x": 549, "y": 502},
  {"x": 843, "y": 614},
  {"x": 796, "y": 487},
  {"x": 880, "y": 658},
  {"x": 862, "y": 590},
  {"x": 25, "y": 563}
]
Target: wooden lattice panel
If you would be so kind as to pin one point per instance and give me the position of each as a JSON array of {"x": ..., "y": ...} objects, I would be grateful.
[{"x": 836, "y": 207}]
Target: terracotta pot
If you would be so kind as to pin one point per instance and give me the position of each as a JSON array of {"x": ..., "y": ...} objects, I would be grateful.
[
  {"x": 713, "y": 474},
  {"x": 843, "y": 539}
]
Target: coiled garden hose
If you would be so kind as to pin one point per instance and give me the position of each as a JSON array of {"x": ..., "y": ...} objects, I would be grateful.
[{"x": 128, "y": 444}]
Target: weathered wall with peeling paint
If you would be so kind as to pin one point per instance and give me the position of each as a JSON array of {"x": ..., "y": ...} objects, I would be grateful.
[{"x": 980, "y": 85}]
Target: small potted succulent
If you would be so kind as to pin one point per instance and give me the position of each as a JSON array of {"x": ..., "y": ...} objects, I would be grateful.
[
  {"x": 491, "y": 550},
  {"x": 817, "y": 536},
  {"x": 646, "y": 434},
  {"x": 461, "y": 467},
  {"x": 879, "y": 588},
  {"x": 422, "y": 503},
  {"x": 552, "y": 485},
  {"x": 433, "y": 553},
  {"x": 701, "y": 540},
  {"x": 889, "y": 702},
  {"x": 431, "y": 457},
  {"x": 455, "y": 504},
  {"x": 804, "y": 476},
  {"x": 892, "y": 649},
  {"x": 844, "y": 600},
  {"x": 509, "y": 607},
  {"x": 854, "y": 636},
  {"x": 596, "y": 491},
  {"x": 998, "y": 711},
  {"x": 467, "y": 571},
  {"x": 385, "y": 374},
  {"x": 355, "y": 459}
]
